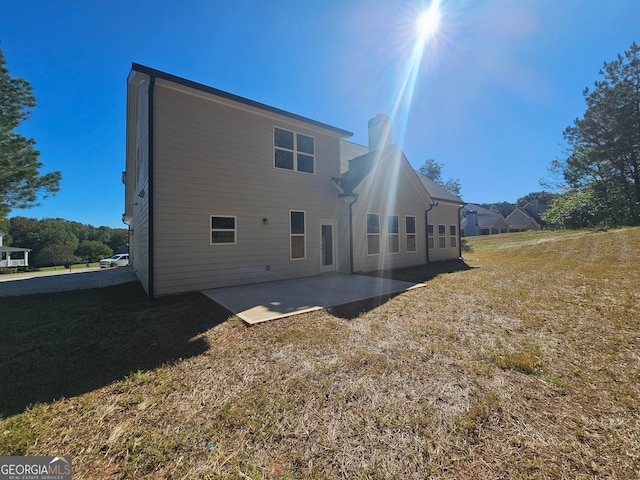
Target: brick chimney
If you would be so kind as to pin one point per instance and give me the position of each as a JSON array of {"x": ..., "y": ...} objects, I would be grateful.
[{"x": 379, "y": 132}]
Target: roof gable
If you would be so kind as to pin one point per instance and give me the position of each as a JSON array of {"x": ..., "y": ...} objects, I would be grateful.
[
  {"x": 518, "y": 218},
  {"x": 379, "y": 163}
]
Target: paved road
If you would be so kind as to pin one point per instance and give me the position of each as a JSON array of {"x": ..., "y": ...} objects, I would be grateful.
[{"x": 63, "y": 280}]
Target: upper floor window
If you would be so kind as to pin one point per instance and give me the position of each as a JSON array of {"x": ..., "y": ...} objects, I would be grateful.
[{"x": 293, "y": 151}]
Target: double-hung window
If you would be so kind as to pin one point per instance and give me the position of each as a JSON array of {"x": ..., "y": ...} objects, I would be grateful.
[
  {"x": 393, "y": 234},
  {"x": 442, "y": 236},
  {"x": 410, "y": 224},
  {"x": 293, "y": 151},
  {"x": 373, "y": 234},
  {"x": 223, "y": 230},
  {"x": 453, "y": 236},
  {"x": 430, "y": 240},
  {"x": 298, "y": 235}
]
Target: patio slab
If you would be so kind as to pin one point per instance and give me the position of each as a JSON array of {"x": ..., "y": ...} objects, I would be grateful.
[{"x": 268, "y": 301}]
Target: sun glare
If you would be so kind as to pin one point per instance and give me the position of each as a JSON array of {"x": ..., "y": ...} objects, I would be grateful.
[{"x": 429, "y": 21}]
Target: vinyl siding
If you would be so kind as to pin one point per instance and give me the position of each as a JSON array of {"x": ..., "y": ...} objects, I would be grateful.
[
  {"x": 137, "y": 178},
  {"x": 211, "y": 158},
  {"x": 389, "y": 191},
  {"x": 444, "y": 214}
]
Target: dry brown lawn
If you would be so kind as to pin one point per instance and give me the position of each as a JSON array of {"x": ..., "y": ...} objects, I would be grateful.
[{"x": 525, "y": 366}]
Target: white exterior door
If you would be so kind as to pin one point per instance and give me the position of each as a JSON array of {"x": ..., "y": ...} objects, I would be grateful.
[{"x": 327, "y": 246}]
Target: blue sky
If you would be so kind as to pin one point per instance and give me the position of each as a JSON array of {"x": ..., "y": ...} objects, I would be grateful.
[{"x": 494, "y": 90}]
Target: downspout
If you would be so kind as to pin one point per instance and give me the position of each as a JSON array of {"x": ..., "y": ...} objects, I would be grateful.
[
  {"x": 152, "y": 84},
  {"x": 459, "y": 234},
  {"x": 351, "y": 198},
  {"x": 426, "y": 226}
]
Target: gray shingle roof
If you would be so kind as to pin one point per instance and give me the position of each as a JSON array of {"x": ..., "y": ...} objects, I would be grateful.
[
  {"x": 359, "y": 167},
  {"x": 436, "y": 191},
  {"x": 486, "y": 218},
  {"x": 356, "y": 162}
]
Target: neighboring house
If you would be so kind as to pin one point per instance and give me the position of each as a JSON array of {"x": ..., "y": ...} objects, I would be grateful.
[
  {"x": 221, "y": 190},
  {"x": 480, "y": 221},
  {"x": 536, "y": 209},
  {"x": 520, "y": 221},
  {"x": 13, "y": 256}
]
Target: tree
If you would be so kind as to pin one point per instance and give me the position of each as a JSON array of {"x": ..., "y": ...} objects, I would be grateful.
[
  {"x": 92, "y": 251},
  {"x": 119, "y": 240},
  {"x": 543, "y": 198},
  {"x": 433, "y": 169},
  {"x": 575, "y": 209},
  {"x": 20, "y": 181},
  {"x": 503, "y": 208},
  {"x": 54, "y": 255},
  {"x": 603, "y": 164},
  {"x": 56, "y": 241}
]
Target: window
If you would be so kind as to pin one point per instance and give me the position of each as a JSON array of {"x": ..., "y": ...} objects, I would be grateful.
[
  {"x": 293, "y": 151},
  {"x": 297, "y": 226},
  {"x": 442, "y": 239},
  {"x": 223, "y": 230},
  {"x": 410, "y": 223},
  {"x": 430, "y": 240},
  {"x": 373, "y": 234},
  {"x": 453, "y": 236},
  {"x": 393, "y": 235}
]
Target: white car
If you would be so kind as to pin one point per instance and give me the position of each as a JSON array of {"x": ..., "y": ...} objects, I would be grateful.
[{"x": 118, "y": 260}]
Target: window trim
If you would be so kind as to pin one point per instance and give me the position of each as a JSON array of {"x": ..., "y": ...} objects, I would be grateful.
[
  {"x": 453, "y": 236},
  {"x": 234, "y": 230},
  {"x": 393, "y": 234},
  {"x": 372, "y": 234},
  {"x": 303, "y": 235},
  {"x": 431, "y": 237},
  {"x": 411, "y": 234},
  {"x": 442, "y": 237},
  {"x": 294, "y": 151}
]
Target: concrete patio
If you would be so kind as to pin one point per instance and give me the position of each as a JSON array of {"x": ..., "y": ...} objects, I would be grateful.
[{"x": 268, "y": 301}]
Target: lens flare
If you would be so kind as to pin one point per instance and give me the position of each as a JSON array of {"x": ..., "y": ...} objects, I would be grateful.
[{"x": 429, "y": 21}]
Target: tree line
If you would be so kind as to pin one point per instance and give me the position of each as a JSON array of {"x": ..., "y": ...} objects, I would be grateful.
[
  {"x": 55, "y": 241},
  {"x": 599, "y": 180}
]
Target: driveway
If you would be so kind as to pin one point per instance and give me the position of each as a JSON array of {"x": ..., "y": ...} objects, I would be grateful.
[
  {"x": 63, "y": 280},
  {"x": 267, "y": 301}
]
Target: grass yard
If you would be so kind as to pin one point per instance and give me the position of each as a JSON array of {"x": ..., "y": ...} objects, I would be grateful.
[{"x": 526, "y": 365}]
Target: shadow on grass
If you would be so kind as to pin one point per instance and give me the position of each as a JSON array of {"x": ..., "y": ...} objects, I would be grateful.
[
  {"x": 65, "y": 344},
  {"x": 419, "y": 274}
]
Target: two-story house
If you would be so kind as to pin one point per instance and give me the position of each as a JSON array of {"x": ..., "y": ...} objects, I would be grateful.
[{"x": 221, "y": 190}]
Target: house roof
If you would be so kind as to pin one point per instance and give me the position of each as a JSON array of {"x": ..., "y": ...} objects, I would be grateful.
[
  {"x": 536, "y": 211},
  {"x": 519, "y": 218},
  {"x": 348, "y": 151},
  {"x": 356, "y": 162},
  {"x": 230, "y": 96},
  {"x": 436, "y": 191},
  {"x": 14, "y": 249},
  {"x": 359, "y": 167},
  {"x": 486, "y": 218}
]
